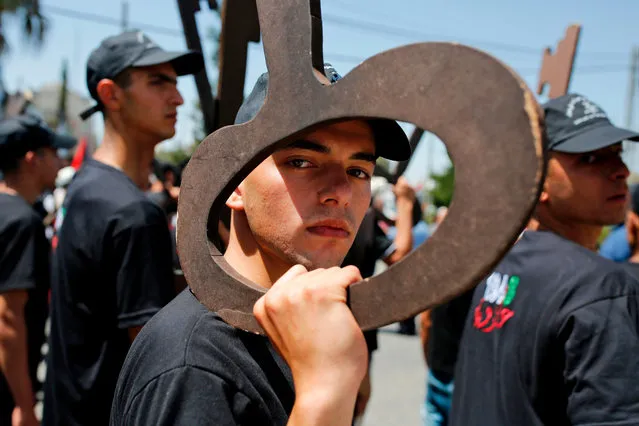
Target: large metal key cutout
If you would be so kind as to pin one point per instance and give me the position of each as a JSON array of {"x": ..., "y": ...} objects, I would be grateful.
[{"x": 487, "y": 117}]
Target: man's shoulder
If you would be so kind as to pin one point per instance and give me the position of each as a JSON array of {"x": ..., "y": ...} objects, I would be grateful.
[
  {"x": 184, "y": 334},
  {"x": 101, "y": 191},
  {"x": 15, "y": 213},
  {"x": 569, "y": 276},
  {"x": 548, "y": 252},
  {"x": 186, "y": 351}
]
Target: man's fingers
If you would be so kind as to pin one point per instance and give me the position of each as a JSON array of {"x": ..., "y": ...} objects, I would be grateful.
[
  {"x": 295, "y": 271},
  {"x": 351, "y": 275}
]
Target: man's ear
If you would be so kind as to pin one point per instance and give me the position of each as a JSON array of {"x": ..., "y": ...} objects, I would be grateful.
[
  {"x": 29, "y": 158},
  {"x": 543, "y": 197},
  {"x": 236, "y": 200},
  {"x": 109, "y": 94}
]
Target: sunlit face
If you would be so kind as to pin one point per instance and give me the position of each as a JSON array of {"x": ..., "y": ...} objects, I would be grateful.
[
  {"x": 589, "y": 188},
  {"x": 151, "y": 100},
  {"x": 305, "y": 202}
]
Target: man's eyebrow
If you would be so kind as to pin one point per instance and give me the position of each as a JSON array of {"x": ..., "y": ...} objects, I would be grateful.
[
  {"x": 322, "y": 149},
  {"x": 163, "y": 77},
  {"x": 309, "y": 145},
  {"x": 365, "y": 156}
]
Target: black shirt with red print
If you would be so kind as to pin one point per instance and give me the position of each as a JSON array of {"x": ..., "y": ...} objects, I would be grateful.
[{"x": 551, "y": 338}]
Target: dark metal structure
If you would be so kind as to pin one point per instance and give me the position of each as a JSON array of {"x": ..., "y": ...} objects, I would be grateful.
[
  {"x": 485, "y": 114},
  {"x": 239, "y": 27},
  {"x": 188, "y": 8}
]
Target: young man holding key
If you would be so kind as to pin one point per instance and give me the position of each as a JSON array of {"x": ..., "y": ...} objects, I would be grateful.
[{"x": 294, "y": 219}]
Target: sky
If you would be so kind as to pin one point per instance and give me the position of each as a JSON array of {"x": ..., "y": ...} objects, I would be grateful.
[{"x": 514, "y": 32}]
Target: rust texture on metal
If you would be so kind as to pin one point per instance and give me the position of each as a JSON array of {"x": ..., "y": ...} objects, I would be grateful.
[
  {"x": 484, "y": 113},
  {"x": 240, "y": 26},
  {"x": 556, "y": 68}
]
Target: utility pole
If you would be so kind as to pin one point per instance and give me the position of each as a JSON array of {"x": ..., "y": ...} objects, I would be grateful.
[
  {"x": 188, "y": 9},
  {"x": 633, "y": 81},
  {"x": 124, "y": 22}
]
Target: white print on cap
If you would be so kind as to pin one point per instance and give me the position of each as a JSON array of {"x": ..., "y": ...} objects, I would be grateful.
[
  {"x": 142, "y": 39},
  {"x": 591, "y": 111}
]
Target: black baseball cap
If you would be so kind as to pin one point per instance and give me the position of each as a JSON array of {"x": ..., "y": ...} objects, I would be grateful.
[
  {"x": 390, "y": 140},
  {"x": 24, "y": 133},
  {"x": 574, "y": 124},
  {"x": 132, "y": 49}
]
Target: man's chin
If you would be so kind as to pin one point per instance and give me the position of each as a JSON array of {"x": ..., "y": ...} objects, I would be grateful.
[{"x": 314, "y": 262}]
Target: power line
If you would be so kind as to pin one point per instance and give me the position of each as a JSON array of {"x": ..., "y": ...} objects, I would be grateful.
[
  {"x": 416, "y": 34},
  {"x": 101, "y": 19},
  {"x": 413, "y": 34},
  {"x": 591, "y": 69},
  {"x": 329, "y": 18}
]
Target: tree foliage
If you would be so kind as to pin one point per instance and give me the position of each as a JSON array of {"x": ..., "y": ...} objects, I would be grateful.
[{"x": 442, "y": 193}]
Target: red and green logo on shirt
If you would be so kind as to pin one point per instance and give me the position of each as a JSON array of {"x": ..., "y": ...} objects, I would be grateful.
[{"x": 493, "y": 312}]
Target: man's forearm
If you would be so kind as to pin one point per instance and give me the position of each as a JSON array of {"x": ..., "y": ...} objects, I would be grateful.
[
  {"x": 14, "y": 359},
  {"x": 404, "y": 226}
]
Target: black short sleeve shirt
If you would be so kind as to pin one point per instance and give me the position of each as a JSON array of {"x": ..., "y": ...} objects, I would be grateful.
[
  {"x": 551, "y": 338},
  {"x": 24, "y": 265},
  {"x": 188, "y": 368},
  {"x": 111, "y": 271}
]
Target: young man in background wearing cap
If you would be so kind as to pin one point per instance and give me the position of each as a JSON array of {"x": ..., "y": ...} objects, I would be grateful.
[
  {"x": 29, "y": 163},
  {"x": 552, "y": 335},
  {"x": 112, "y": 265},
  {"x": 296, "y": 212}
]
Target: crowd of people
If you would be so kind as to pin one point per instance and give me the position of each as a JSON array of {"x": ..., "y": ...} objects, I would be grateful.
[{"x": 95, "y": 329}]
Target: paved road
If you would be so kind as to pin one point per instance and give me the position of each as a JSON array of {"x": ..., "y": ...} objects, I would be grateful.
[{"x": 397, "y": 381}]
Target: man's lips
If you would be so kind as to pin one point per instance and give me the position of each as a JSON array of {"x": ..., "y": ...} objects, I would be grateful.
[
  {"x": 619, "y": 198},
  {"x": 330, "y": 228}
]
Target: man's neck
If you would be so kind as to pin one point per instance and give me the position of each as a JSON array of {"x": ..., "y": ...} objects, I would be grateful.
[
  {"x": 584, "y": 235},
  {"x": 248, "y": 259},
  {"x": 15, "y": 184},
  {"x": 126, "y": 151}
]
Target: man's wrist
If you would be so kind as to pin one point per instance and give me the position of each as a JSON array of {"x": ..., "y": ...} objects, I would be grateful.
[{"x": 332, "y": 405}]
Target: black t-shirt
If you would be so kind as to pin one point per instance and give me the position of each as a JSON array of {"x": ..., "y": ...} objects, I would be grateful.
[
  {"x": 370, "y": 245},
  {"x": 111, "y": 271},
  {"x": 24, "y": 265},
  {"x": 188, "y": 368},
  {"x": 447, "y": 326},
  {"x": 551, "y": 339}
]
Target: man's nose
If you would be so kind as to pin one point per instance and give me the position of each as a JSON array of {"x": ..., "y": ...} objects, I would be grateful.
[
  {"x": 619, "y": 170},
  {"x": 336, "y": 188},
  {"x": 176, "y": 98}
]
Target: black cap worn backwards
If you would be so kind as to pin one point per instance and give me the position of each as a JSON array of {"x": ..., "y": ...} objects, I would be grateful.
[
  {"x": 133, "y": 49},
  {"x": 390, "y": 140},
  {"x": 574, "y": 124},
  {"x": 24, "y": 133}
]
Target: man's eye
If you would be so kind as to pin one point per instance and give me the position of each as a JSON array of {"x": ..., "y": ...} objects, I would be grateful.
[
  {"x": 359, "y": 173},
  {"x": 589, "y": 158},
  {"x": 298, "y": 163}
]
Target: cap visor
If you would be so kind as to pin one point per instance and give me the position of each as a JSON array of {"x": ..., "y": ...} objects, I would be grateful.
[
  {"x": 596, "y": 138},
  {"x": 184, "y": 63},
  {"x": 64, "y": 142},
  {"x": 390, "y": 140}
]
